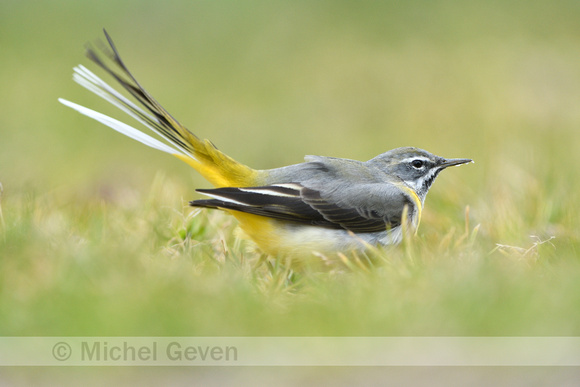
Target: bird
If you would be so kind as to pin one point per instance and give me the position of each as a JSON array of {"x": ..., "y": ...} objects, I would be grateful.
[{"x": 324, "y": 205}]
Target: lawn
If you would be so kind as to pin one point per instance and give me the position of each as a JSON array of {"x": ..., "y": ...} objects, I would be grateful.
[{"x": 96, "y": 235}]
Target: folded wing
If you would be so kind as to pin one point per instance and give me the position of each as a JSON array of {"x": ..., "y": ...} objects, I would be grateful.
[{"x": 297, "y": 203}]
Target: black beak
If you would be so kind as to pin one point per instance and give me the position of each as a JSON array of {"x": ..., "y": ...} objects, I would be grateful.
[{"x": 451, "y": 162}]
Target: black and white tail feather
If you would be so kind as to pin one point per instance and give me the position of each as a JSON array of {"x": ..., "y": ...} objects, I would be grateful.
[{"x": 178, "y": 140}]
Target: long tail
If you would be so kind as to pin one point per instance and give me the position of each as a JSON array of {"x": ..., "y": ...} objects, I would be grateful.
[{"x": 218, "y": 168}]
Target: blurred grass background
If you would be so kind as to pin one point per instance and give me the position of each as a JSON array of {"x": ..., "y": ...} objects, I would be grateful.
[{"x": 96, "y": 237}]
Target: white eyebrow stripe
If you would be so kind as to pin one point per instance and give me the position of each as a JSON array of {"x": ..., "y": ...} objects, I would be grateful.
[{"x": 409, "y": 159}]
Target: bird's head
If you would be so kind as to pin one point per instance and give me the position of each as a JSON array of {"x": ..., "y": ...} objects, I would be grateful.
[{"x": 415, "y": 167}]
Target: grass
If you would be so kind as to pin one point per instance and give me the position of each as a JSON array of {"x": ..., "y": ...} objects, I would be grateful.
[
  {"x": 96, "y": 237},
  {"x": 153, "y": 266}
]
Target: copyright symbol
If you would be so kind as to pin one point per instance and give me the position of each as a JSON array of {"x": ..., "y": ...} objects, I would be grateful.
[{"x": 61, "y": 351}]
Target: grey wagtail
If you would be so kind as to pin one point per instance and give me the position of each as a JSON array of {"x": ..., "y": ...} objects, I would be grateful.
[{"x": 324, "y": 204}]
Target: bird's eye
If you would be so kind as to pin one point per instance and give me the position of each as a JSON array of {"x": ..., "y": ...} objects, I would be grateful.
[{"x": 418, "y": 164}]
